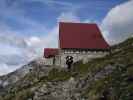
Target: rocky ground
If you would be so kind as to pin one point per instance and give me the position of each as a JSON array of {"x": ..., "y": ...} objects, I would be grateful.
[{"x": 107, "y": 78}]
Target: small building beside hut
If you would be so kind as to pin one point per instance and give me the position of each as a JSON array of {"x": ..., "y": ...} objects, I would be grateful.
[{"x": 82, "y": 41}]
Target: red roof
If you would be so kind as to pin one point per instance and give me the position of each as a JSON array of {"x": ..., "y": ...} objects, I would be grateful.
[
  {"x": 81, "y": 36},
  {"x": 50, "y": 52}
]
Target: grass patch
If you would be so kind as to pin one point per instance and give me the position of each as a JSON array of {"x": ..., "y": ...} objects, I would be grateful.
[
  {"x": 21, "y": 95},
  {"x": 58, "y": 75}
]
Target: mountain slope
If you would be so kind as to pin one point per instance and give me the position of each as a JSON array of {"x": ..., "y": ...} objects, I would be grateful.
[{"x": 107, "y": 78}]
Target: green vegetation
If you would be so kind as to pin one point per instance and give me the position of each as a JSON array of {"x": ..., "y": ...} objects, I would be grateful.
[
  {"x": 21, "y": 95},
  {"x": 117, "y": 85},
  {"x": 58, "y": 75}
]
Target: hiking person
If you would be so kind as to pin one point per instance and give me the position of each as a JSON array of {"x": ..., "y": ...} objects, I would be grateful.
[{"x": 69, "y": 62}]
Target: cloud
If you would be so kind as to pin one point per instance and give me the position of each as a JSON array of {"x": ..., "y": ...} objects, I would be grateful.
[
  {"x": 5, "y": 49},
  {"x": 53, "y": 2},
  {"x": 61, "y": 5},
  {"x": 4, "y": 69},
  {"x": 117, "y": 25},
  {"x": 68, "y": 17},
  {"x": 13, "y": 53},
  {"x": 13, "y": 19},
  {"x": 12, "y": 39},
  {"x": 17, "y": 50}
]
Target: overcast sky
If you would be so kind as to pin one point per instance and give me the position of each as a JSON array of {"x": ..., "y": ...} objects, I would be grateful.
[{"x": 28, "y": 26}]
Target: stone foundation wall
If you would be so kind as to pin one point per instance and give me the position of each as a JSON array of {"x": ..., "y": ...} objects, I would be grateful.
[
  {"x": 48, "y": 61},
  {"x": 51, "y": 61},
  {"x": 81, "y": 56},
  {"x": 85, "y": 56}
]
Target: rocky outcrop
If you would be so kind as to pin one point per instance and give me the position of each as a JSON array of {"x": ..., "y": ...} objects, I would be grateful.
[{"x": 107, "y": 78}]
